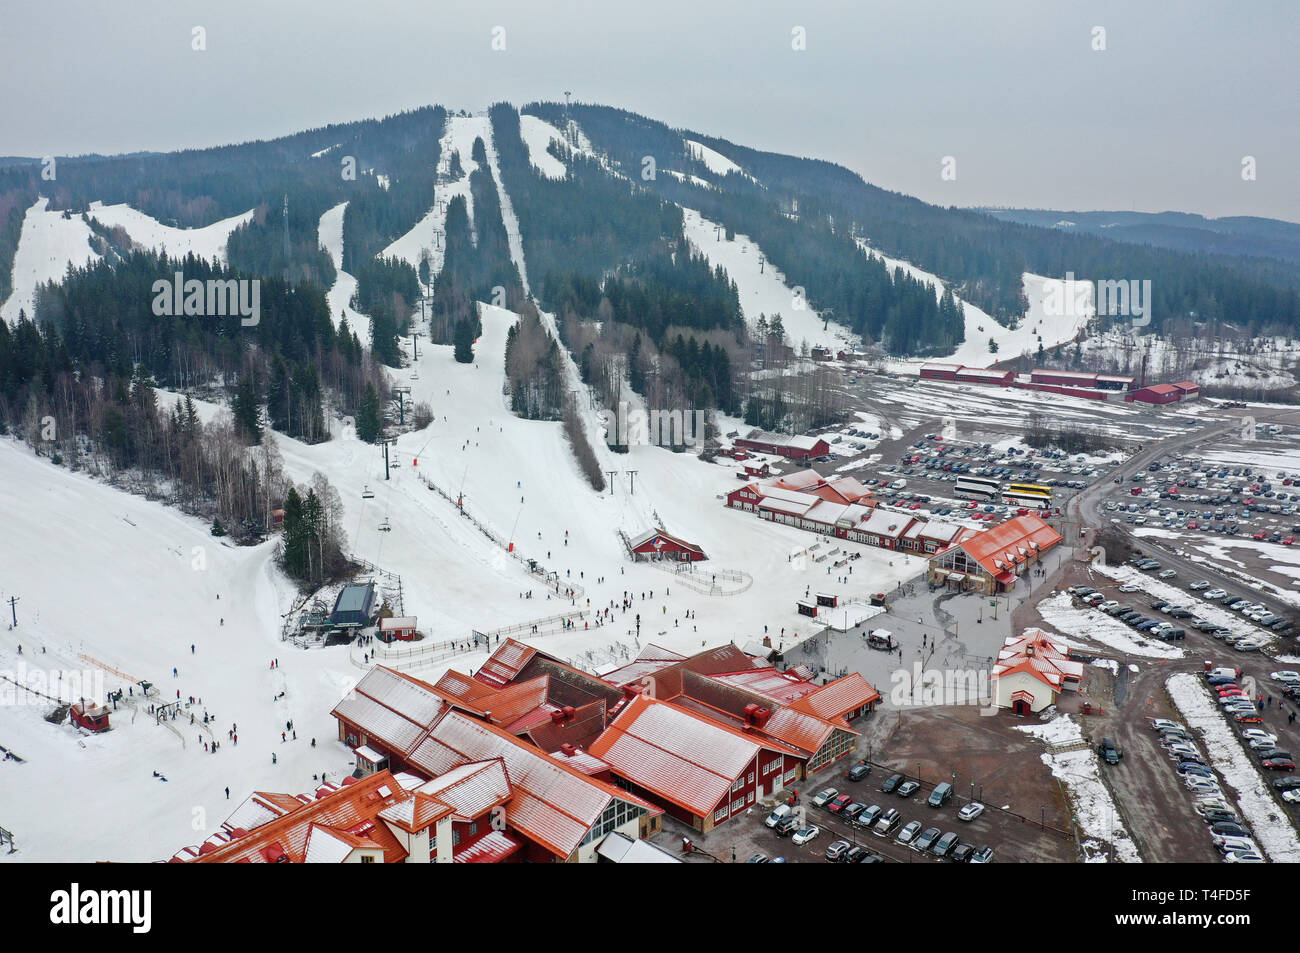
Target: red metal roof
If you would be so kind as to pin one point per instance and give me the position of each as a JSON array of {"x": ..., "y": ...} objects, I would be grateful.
[
  {"x": 1002, "y": 543},
  {"x": 836, "y": 699}
]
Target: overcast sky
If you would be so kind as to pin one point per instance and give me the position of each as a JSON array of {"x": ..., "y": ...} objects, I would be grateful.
[{"x": 1013, "y": 90}]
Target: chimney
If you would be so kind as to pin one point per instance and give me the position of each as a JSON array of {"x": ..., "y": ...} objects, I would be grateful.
[{"x": 568, "y": 750}]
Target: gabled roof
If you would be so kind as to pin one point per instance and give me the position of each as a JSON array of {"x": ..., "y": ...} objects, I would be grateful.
[
  {"x": 834, "y": 700},
  {"x": 553, "y": 804},
  {"x": 351, "y": 810},
  {"x": 505, "y": 663},
  {"x": 471, "y": 790},
  {"x": 392, "y": 708},
  {"x": 679, "y": 755},
  {"x": 999, "y": 548}
]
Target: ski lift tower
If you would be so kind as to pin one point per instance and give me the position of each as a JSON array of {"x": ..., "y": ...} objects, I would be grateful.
[
  {"x": 401, "y": 393},
  {"x": 384, "y": 442}
]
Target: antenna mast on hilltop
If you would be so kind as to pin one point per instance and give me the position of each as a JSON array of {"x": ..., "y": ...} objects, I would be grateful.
[{"x": 568, "y": 122}]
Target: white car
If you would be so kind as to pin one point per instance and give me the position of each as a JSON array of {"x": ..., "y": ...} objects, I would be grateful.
[
  {"x": 1258, "y": 733},
  {"x": 1167, "y": 574},
  {"x": 1262, "y": 744},
  {"x": 1214, "y": 593},
  {"x": 1286, "y": 675},
  {"x": 804, "y": 834},
  {"x": 1292, "y": 796},
  {"x": 1199, "y": 585},
  {"x": 1244, "y": 857},
  {"x": 1249, "y": 645},
  {"x": 829, "y": 794},
  {"x": 971, "y": 811},
  {"x": 1130, "y": 588},
  {"x": 1226, "y": 843},
  {"x": 1159, "y": 724},
  {"x": 1202, "y": 785}
]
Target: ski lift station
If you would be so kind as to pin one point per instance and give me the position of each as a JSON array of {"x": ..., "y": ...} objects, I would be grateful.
[{"x": 353, "y": 607}]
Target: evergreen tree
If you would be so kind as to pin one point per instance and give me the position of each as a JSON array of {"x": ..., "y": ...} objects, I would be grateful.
[
  {"x": 464, "y": 341},
  {"x": 248, "y": 414},
  {"x": 369, "y": 421}
]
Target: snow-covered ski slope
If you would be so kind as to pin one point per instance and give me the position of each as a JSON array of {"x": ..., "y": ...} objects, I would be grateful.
[
  {"x": 207, "y": 242},
  {"x": 339, "y": 296},
  {"x": 763, "y": 289},
  {"x": 981, "y": 327},
  {"x": 458, "y": 136},
  {"x": 538, "y": 134},
  {"x": 49, "y": 243}
]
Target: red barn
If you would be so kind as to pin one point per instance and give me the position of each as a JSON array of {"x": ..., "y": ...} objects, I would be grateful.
[
  {"x": 796, "y": 448},
  {"x": 656, "y": 544},
  {"x": 1190, "y": 390},
  {"x": 1156, "y": 394},
  {"x": 1115, "y": 382},
  {"x": 977, "y": 375},
  {"x": 939, "y": 372}
]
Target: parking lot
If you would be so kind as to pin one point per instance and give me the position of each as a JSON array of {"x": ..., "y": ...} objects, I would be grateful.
[{"x": 932, "y": 744}]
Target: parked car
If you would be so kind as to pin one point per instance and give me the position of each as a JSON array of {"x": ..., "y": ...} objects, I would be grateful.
[
  {"x": 908, "y": 788},
  {"x": 1109, "y": 751},
  {"x": 779, "y": 814},
  {"x": 926, "y": 839},
  {"x": 910, "y": 831},
  {"x": 891, "y": 782},
  {"x": 971, "y": 811},
  {"x": 839, "y": 803},
  {"x": 835, "y": 853},
  {"x": 941, "y": 794},
  {"x": 944, "y": 845},
  {"x": 983, "y": 855},
  {"x": 824, "y": 796},
  {"x": 887, "y": 822},
  {"x": 805, "y": 834},
  {"x": 858, "y": 772}
]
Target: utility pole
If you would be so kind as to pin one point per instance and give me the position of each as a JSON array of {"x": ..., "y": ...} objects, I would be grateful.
[
  {"x": 286, "y": 237},
  {"x": 12, "y": 601}
]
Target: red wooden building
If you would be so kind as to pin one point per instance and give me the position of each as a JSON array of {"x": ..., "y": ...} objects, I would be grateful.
[
  {"x": 656, "y": 544},
  {"x": 89, "y": 716}
]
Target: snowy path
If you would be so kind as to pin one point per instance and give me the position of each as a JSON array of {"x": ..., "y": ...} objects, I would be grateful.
[
  {"x": 339, "y": 296},
  {"x": 47, "y": 245}
]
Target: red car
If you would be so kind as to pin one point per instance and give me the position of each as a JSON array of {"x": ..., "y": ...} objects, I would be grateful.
[
  {"x": 1259, "y": 536},
  {"x": 1278, "y": 764},
  {"x": 1247, "y": 718},
  {"x": 915, "y": 506},
  {"x": 972, "y": 504},
  {"x": 1288, "y": 540},
  {"x": 840, "y": 803},
  {"x": 1193, "y": 525}
]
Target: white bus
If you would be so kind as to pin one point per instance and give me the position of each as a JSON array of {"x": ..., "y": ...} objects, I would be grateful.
[
  {"x": 1032, "y": 501},
  {"x": 977, "y": 488}
]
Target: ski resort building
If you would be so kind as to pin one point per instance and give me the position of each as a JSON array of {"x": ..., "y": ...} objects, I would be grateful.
[
  {"x": 354, "y": 606},
  {"x": 1031, "y": 670},
  {"x": 844, "y": 508},
  {"x": 796, "y": 448},
  {"x": 989, "y": 561},
  {"x": 90, "y": 716},
  {"x": 400, "y": 629},
  {"x": 658, "y": 545}
]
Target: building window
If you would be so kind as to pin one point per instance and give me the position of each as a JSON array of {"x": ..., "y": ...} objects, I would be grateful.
[
  {"x": 751, "y": 777},
  {"x": 455, "y": 838},
  {"x": 367, "y": 858},
  {"x": 473, "y": 828}
]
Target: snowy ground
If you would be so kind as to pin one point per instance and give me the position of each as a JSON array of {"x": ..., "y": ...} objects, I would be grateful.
[
  {"x": 1206, "y": 609},
  {"x": 1271, "y": 827},
  {"x": 1093, "y": 626},
  {"x": 339, "y": 296},
  {"x": 454, "y": 579},
  {"x": 48, "y": 244},
  {"x": 207, "y": 243},
  {"x": 1079, "y": 770},
  {"x": 538, "y": 134},
  {"x": 974, "y": 351},
  {"x": 765, "y": 291},
  {"x": 715, "y": 161},
  {"x": 1265, "y": 363}
]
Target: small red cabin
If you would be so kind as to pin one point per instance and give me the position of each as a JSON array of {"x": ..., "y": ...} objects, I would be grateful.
[{"x": 90, "y": 717}]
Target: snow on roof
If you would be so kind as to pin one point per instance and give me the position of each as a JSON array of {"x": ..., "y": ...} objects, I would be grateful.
[
  {"x": 681, "y": 756},
  {"x": 369, "y": 753},
  {"x": 325, "y": 846},
  {"x": 887, "y": 523},
  {"x": 488, "y": 849},
  {"x": 505, "y": 663},
  {"x": 839, "y": 697},
  {"x": 553, "y": 804},
  {"x": 781, "y": 687},
  {"x": 943, "y": 532},
  {"x": 995, "y": 548},
  {"x": 584, "y": 761},
  {"x": 471, "y": 789},
  {"x": 397, "y": 622}
]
